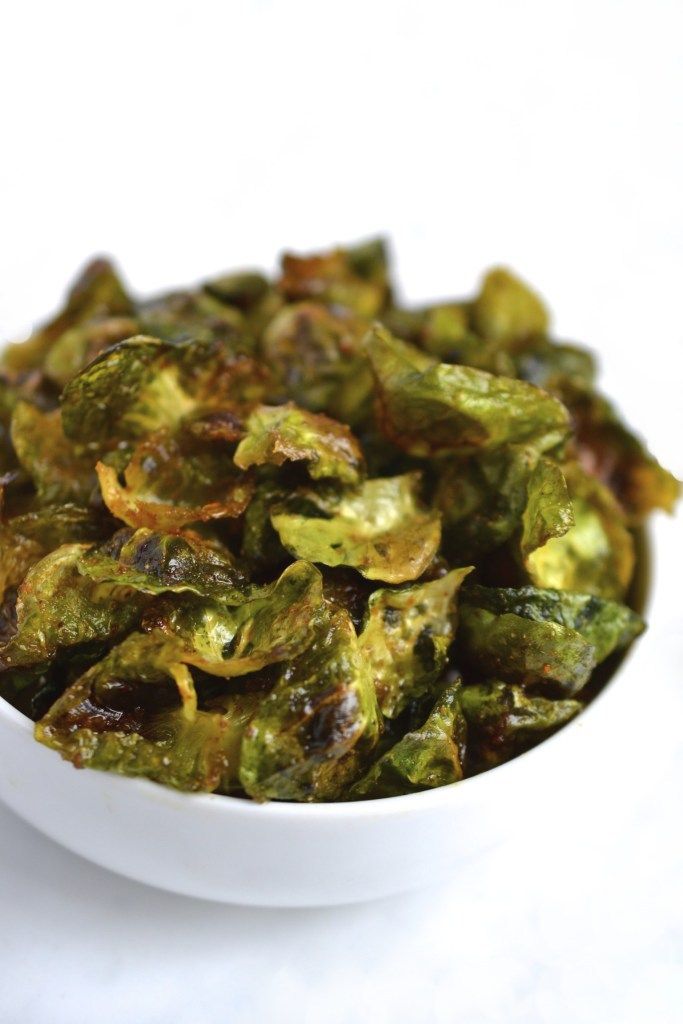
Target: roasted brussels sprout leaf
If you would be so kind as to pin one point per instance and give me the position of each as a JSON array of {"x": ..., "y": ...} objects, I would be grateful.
[
  {"x": 380, "y": 528},
  {"x": 143, "y": 384},
  {"x": 60, "y": 473},
  {"x": 533, "y": 636},
  {"x": 406, "y": 636},
  {"x": 167, "y": 487},
  {"x": 506, "y": 309},
  {"x": 155, "y": 563},
  {"x": 290, "y": 540},
  {"x": 606, "y": 625},
  {"x": 596, "y": 555},
  {"x": 277, "y": 434},
  {"x": 431, "y": 756},
  {"x": 57, "y": 607},
  {"x": 429, "y": 408},
  {"x": 123, "y": 715},
  {"x": 276, "y": 624},
  {"x": 311, "y": 734},
  {"x": 504, "y": 720}
]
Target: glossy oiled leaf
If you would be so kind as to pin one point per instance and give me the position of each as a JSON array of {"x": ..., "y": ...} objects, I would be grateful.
[
  {"x": 275, "y": 624},
  {"x": 596, "y": 555},
  {"x": 60, "y": 473},
  {"x": 482, "y": 499},
  {"x": 406, "y": 636},
  {"x": 57, "y": 607},
  {"x": 522, "y": 650},
  {"x": 503, "y": 720},
  {"x": 310, "y": 735},
  {"x": 548, "y": 512},
  {"x": 429, "y": 408},
  {"x": 422, "y": 759},
  {"x": 606, "y": 625},
  {"x": 168, "y": 486},
  {"x": 507, "y": 309},
  {"x": 143, "y": 384},
  {"x": 17, "y": 554},
  {"x": 277, "y": 434},
  {"x": 155, "y": 563},
  {"x": 79, "y": 345},
  {"x": 123, "y": 716},
  {"x": 379, "y": 528},
  {"x": 52, "y": 525},
  {"x": 315, "y": 354}
]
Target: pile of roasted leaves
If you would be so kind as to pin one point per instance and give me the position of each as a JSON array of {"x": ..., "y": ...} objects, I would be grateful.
[{"x": 289, "y": 540}]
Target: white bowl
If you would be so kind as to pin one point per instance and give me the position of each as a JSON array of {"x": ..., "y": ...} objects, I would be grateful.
[{"x": 295, "y": 855}]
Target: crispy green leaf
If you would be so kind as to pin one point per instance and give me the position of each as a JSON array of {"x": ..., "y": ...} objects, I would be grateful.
[
  {"x": 596, "y": 555},
  {"x": 155, "y": 563},
  {"x": 315, "y": 354},
  {"x": 482, "y": 499},
  {"x": 144, "y": 384},
  {"x": 275, "y": 624},
  {"x": 378, "y": 528},
  {"x": 355, "y": 280},
  {"x": 310, "y": 735},
  {"x": 168, "y": 486},
  {"x": 610, "y": 451},
  {"x": 548, "y": 511},
  {"x": 522, "y": 650},
  {"x": 52, "y": 525},
  {"x": 503, "y": 720},
  {"x": 57, "y": 607},
  {"x": 406, "y": 636},
  {"x": 507, "y": 309},
  {"x": 59, "y": 471},
  {"x": 429, "y": 408},
  {"x": 276, "y": 434},
  {"x": 606, "y": 625},
  {"x": 430, "y": 756},
  {"x": 122, "y": 716}
]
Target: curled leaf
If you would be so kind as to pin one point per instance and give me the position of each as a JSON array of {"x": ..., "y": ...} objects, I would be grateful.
[
  {"x": 596, "y": 555},
  {"x": 406, "y": 636},
  {"x": 430, "y": 756},
  {"x": 60, "y": 472},
  {"x": 276, "y": 624},
  {"x": 156, "y": 563},
  {"x": 503, "y": 720},
  {"x": 276, "y": 434},
  {"x": 379, "y": 529},
  {"x": 428, "y": 408},
  {"x": 123, "y": 716},
  {"x": 167, "y": 486},
  {"x": 57, "y": 607},
  {"x": 311, "y": 734},
  {"x": 507, "y": 309}
]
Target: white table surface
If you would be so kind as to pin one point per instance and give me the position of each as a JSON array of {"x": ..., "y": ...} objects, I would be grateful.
[{"x": 190, "y": 138}]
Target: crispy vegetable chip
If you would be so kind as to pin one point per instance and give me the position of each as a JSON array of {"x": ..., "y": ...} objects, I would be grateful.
[
  {"x": 57, "y": 607},
  {"x": 431, "y": 756},
  {"x": 311, "y": 734},
  {"x": 379, "y": 529},
  {"x": 429, "y": 408},
  {"x": 406, "y": 637},
  {"x": 277, "y": 434}
]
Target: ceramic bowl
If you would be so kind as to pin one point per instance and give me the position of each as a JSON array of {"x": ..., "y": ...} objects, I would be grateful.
[{"x": 296, "y": 855}]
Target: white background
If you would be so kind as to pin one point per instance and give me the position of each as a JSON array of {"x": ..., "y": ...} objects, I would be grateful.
[{"x": 187, "y": 138}]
